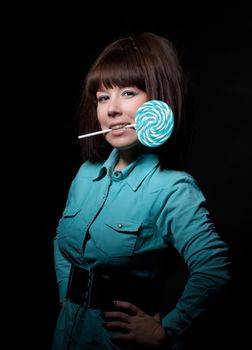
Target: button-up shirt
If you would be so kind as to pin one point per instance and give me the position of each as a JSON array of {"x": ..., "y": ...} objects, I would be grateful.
[{"x": 130, "y": 219}]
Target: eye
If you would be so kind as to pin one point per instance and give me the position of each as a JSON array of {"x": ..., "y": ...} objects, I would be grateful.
[
  {"x": 129, "y": 93},
  {"x": 102, "y": 98}
]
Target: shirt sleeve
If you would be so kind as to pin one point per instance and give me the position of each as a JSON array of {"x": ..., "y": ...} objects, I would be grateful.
[
  {"x": 186, "y": 224},
  {"x": 61, "y": 263},
  {"x": 62, "y": 269}
]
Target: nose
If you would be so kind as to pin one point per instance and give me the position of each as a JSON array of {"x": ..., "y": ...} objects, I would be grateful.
[{"x": 114, "y": 109}]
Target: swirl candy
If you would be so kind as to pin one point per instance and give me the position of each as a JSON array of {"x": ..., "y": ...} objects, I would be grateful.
[{"x": 154, "y": 123}]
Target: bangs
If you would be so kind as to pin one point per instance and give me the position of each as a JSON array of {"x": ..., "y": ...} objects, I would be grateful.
[{"x": 118, "y": 68}]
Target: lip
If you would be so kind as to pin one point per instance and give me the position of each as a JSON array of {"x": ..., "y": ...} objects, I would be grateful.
[
  {"x": 118, "y": 125},
  {"x": 118, "y": 129}
]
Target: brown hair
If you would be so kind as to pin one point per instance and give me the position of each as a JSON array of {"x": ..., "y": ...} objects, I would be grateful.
[{"x": 149, "y": 62}]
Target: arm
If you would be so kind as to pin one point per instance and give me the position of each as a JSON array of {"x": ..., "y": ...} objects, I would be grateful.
[
  {"x": 61, "y": 263},
  {"x": 62, "y": 269},
  {"x": 184, "y": 223},
  {"x": 193, "y": 234}
]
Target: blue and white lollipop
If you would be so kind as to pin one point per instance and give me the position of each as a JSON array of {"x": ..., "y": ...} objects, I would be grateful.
[{"x": 154, "y": 123}]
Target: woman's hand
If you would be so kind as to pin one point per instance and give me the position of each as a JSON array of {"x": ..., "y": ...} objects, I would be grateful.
[{"x": 135, "y": 324}]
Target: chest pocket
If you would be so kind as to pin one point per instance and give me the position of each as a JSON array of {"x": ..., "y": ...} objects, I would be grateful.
[{"x": 116, "y": 238}]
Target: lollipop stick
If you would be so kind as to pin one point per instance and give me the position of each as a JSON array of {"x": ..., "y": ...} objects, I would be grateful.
[
  {"x": 102, "y": 131},
  {"x": 94, "y": 133}
]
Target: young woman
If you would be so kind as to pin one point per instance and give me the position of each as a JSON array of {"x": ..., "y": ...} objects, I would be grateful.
[{"x": 131, "y": 211}]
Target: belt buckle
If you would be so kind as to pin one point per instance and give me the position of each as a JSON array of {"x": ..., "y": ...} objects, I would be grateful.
[{"x": 103, "y": 291}]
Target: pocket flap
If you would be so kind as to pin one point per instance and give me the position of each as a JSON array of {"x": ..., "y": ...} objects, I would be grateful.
[
  {"x": 70, "y": 212},
  {"x": 123, "y": 225}
]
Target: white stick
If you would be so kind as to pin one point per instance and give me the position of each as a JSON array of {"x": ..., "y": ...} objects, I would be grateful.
[{"x": 103, "y": 131}]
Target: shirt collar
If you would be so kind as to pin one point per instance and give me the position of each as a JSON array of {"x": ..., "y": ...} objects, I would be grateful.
[
  {"x": 108, "y": 166},
  {"x": 141, "y": 168},
  {"x": 135, "y": 173}
]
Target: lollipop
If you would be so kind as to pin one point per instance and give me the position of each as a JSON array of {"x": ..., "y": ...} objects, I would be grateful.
[{"x": 154, "y": 123}]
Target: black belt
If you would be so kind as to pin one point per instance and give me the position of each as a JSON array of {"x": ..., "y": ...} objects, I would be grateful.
[{"x": 99, "y": 290}]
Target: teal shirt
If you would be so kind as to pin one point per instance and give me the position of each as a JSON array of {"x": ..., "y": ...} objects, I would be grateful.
[{"x": 130, "y": 219}]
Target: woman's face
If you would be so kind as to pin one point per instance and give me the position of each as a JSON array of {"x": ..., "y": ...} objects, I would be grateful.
[{"x": 116, "y": 108}]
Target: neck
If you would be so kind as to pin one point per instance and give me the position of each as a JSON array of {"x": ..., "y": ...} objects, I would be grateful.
[{"x": 128, "y": 156}]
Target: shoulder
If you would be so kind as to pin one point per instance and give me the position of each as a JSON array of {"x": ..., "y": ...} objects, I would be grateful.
[
  {"x": 82, "y": 182},
  {"x": 86, "y": 172},
  {"x": 88, "y": 169},
  {"x": 175, "y": 183},
  {"x": 169, "y": 177}
]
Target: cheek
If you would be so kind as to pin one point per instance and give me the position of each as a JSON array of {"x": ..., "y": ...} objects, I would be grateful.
[
  {"x": 100, "y": 116},
  {"x": 131, "y": 114},
  {"x": 99, "y": 120},
  {"x": 138, "y": 104}
]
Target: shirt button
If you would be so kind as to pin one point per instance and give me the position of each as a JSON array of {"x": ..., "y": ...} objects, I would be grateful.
[{"x": 119, "y": 225}]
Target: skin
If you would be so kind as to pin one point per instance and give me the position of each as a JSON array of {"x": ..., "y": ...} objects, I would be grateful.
[
  {"x": 136, "y": 326},
  {"x": 116, "y": 107}
]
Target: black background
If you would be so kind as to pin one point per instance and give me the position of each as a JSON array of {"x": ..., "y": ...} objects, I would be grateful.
[{"x": 49, "y": 52}]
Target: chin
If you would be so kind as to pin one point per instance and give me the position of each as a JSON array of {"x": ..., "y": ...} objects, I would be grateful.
[
  {"x": 125, "y": 147},
  {"x": 122, "y": 144}
]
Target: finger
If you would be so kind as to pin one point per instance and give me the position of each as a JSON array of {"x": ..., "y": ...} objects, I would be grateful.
[
  {"x": 122, "y": 326},
  {"x": 157, "y": 316},
  {"x": 122, "y": 337},
  {"x": 131, "y": 309},
  {"x": 116, "y": 315}
]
